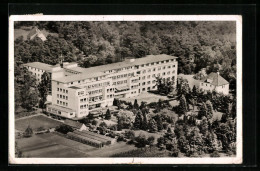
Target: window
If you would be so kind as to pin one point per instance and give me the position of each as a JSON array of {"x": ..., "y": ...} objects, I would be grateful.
[
  {"x": 164, "y": 67},
  {"x": 60, "y": 96},
  {"x": 143, "y": 77},
  {"x": 154, "y": 69},
  {"x": 59, "y": 112},
  {"x": 144, "y": 71},
  {"x": 71, "y": 83},
  {"x": 143, "y": 83},
  {"x": 78, "y": 81},
  {"x": 57, "y": 95},
  {"x": 148, "y": 82},
  {"x": 153, "y": 75},
  {"x": 147, "y": 64},
  {"x": 143, "y": 89},
  {"x": 173, "y": 71},
  {"x": 67, "y": 91},
  {"x": 163, "y": 73},
  {"x": 202, "y": 84},
  {"x": 168, "y": 72},
  {"x": 58, "y": 101},
  {"x": 152, "y": 63},
  {"x": 159, "y": 68},
  {"x": 142, "y": 65},
  {"x": 148, "y": 76},
  {"x": 158, "y": 74},
  {"x": 61, "y": 89},
  {"x": 173, "y": 66},
  {"x": 169, "y": 66}
]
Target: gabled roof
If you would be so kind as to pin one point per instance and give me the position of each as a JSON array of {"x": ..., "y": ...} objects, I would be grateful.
[
  {"x": 217, "y": 80},
  {"x": 34, "y": 31},
  {"x": 73, "y": 124}
]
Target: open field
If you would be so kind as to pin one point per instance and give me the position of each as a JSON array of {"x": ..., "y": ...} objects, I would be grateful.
[
  {"x": 66, "y": 142},
  {"x": 36, "y": 122},
  {"x": 38, "y": 147},
  {"x": 53, "y": 145},
  {"x": 145, "y": 96}
]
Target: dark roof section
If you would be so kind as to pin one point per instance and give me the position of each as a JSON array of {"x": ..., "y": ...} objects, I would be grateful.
[
  {"x": 74, "y": 87},
  {"x": 217, "y": 80},
  {"x": 73, "y": 124}
]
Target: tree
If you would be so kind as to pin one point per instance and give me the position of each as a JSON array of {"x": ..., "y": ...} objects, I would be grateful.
[
  {"x": 64, "y": 129},
  {"x": 182, "y": 108},
  {"x": 141, "y": 140},
  {"x": 136, "y": 106},
  {"x": 152, "y": 126},
  {"x": 150, "y": 141},
  {"x": 203, "y": 111},
  {"x": 28, "y": 132},
  {"x": 44, "y": 87},
  {"x": 138, "y": 120},
  {"x": 108, "y": 114},
  {"x": 159, "y": 123},
  {"x": 209, "y": 109}
]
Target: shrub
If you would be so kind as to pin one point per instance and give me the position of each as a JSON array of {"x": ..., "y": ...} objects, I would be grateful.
[
  {"x": 120, "y": 138},
  {"x": 64, "y": 129},
  {"x": 94, "y": 122},
  {"x": 215, "y": 154}
]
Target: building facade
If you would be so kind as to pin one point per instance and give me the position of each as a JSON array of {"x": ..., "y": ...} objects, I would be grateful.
[
  {"x": 214, "y": 82},
  {"x": 38, "y": 68},
  {"x": 76, "y": 90}
]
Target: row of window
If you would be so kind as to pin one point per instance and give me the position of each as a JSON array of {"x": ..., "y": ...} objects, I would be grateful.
[
  {"x": 81, "y": 93},
  {"x": 95, "y": 92},
  {"x": 83, "y": 106},
  {"x": 110, "y": 90},
  {"x": 83, "y": 100},
  {"x": 123, "y": 76},
  {"x": 62, "y": 103},
  {"x": 62, "y": 90},
  {"x": 96, "y": 98},
  {"x": 110, "y": 96},
  {"x": 120, "y": 82},
  {"x": 98, "y": 85},
  {"x": 158, "y": 75},
  {"x": 39, "y": 70},
  {"x": 62, "y": 96}
]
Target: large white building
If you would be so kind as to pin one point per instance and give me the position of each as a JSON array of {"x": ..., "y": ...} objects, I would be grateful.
[
  {"x": 38, "y": 68},
  {"x": 76, "y": 90},
  {"x": 214, "y": 82}
]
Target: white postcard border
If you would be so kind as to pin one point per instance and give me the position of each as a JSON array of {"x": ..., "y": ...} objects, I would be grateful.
[{"x": 172, "y": 160}]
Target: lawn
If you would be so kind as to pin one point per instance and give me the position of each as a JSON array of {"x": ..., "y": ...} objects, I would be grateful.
[
  {"x": 146, "y": 97},
  {"x": 36, "y": 122},
  {"x": 66, "y": 142},
  {"x": 37, "y": 146}
]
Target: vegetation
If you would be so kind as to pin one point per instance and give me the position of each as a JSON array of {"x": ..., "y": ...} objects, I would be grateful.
[
  {"x": 28, "y": 132},
  {"x": 44, "y": 87},
  {"x": 64, "y": 129}
]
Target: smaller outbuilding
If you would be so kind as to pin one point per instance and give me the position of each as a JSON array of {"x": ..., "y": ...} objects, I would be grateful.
[{"x": 76, "y": 125}]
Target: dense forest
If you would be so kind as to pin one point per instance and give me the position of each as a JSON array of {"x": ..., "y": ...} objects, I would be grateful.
[{"x": 198, "y": 44}]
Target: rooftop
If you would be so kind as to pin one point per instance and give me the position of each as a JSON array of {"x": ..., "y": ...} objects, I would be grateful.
[
  {"x": 73, "y": 124},
  {"x": 217, "y": 80},
  {"x": 99, "y": 70},
  {"x": 39, "y": 65},
  {"x": 60, "y": 108}
]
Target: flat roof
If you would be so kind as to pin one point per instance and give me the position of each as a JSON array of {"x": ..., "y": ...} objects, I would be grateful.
[
  {"x": 39, "y": 65},
  {"x": 99, "y": 70},
  {"x": 60, "y": 108}
]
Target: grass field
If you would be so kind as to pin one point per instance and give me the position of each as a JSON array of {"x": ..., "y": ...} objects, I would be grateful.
[
  {"x": 37, "y": 146},
  {"x": 145, "y": 96},
  {"x": 36, "y": 122}
]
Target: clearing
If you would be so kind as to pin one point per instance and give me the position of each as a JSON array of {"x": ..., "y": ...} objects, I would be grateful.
[
  {"x": 146, "y": 97},
  {"x": 39, "y": 147},
  {"x": 35, "y": 122}
]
